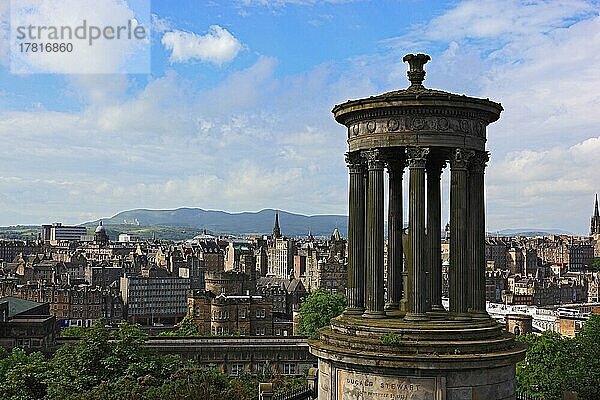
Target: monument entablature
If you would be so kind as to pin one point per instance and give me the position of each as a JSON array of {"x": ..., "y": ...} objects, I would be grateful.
[{"x": 417, "y": 116}]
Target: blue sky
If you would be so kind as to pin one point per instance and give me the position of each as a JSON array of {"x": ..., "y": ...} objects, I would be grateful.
[{"x": 235, "y": 114}]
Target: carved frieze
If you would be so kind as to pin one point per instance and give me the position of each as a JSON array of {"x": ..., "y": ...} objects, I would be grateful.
[{"x": 416, "y": 124}]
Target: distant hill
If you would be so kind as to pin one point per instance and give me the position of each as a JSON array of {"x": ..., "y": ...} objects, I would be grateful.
[
  {"x": 529, "y": 232},
  {"x": 233, "y": 223}
]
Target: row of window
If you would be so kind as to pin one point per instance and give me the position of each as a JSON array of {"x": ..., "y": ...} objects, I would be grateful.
[
  {"x": 224, "y": 315},
  {"x": 286, "y": 369}
]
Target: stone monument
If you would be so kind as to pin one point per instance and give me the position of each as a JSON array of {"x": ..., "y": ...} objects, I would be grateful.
[{"x": 398, "y": 342}]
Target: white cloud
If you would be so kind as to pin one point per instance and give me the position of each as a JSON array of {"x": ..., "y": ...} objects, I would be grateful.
[
  {"x": 503, "y": 20},
  {"x": 550, "y": 188},
  {"x": 257, "y": 139},
  {"x": 161, "y": 24},
  {"x": 166, "y": 147},
  {"x": 539, "y": 59},
  {"x": 218, "y": 46}
]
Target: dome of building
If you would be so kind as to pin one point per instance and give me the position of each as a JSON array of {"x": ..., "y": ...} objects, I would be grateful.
[
  {"x": 100, "y": 228},
  {"x": 100, "y": 235}
]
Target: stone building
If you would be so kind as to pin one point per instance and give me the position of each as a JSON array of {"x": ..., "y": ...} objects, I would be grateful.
[
  {"x": 238, "y": 255},
  {"x": 102, "y": 274},
  {"x": 27, "y": 324},
  {"x": 231, "y": 355},
  {"x": 286, "y": 294},
  {"x": 515, "y": 260},
  {"x": 79, "y": 305},
  {"x": 101, "y": 236},
  {"x": 593, "y": 287},
  {"x": 574, "y": 253},
  {"x": 194, "y": 270},
  {"x": 211, "y": 254},
  {"x": 564, "y": 290},
  {"x": 331, "y": 275},
  {"x": 280, "y": 252},
  {"x": 306, "y": 264},
  {"x": 579, "y": 255},
  {"x": 9, "y": 249},
  {"x": 262, "y": 260},
  {"x": 495, "y": 252},
  {"x": 230, "y": 283},
  {"x": 569, "y": 326},
  {"x": 519, "y": 324},
  {"x": 239, "y": 315}
]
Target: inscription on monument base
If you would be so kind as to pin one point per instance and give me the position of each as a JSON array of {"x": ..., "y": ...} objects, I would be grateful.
[{"x": 358, "y": 386}]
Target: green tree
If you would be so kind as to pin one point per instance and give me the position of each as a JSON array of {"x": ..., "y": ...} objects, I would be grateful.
[
  {"x": 586, "y": 360},
  {"x": 103, "y": 356},
  {"x": 546, "y": 371},
  {"x": 318, "y": 310},
  {"x": 187, "y": 327},
  {"x": 594, "y": 265},
  {"x": 23, "y": 376},
  {"x": 555, "y": 364},
  {"x": 72, "y": 331}
]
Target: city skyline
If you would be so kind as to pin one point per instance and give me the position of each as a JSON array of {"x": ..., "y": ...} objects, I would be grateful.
[{"x": 235, "y": 115}]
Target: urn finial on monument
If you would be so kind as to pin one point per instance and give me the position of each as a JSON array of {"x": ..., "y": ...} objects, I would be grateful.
[{"x": 416, "y": 73}]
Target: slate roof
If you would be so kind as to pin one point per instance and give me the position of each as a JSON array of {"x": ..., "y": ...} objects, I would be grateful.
[{"x": 18, "y": 306}]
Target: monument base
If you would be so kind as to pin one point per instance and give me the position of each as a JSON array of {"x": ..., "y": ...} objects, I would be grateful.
[{"x": 398, "y": 360}]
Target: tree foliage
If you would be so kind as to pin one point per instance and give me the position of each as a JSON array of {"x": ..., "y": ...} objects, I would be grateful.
[
  {"x": 115, "y": 365},
  {"x": 187, "y": 327},
  {"x": 555, "y": 364},
  {"x": 594, "y": 265},
  {"x": 318, "y": 310},
  {"x": 72, "y": 331}
]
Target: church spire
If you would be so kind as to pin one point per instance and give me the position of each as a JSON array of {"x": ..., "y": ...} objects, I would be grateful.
[
  {"x": 276, "y": 229},
  {"x": 595, "y": 223}
]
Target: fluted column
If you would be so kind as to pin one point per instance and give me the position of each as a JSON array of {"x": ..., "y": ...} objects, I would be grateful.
[
  {"x": 434, "y": 236},
  {"x": 417, "y": 158},
  {"x": 395, "y": 167},
  {"x": 476, "y": 226},
  {"x": 374, "y": 306},
  {"x": 356, "y": 236},
  {"x": 459, "y": 257}
]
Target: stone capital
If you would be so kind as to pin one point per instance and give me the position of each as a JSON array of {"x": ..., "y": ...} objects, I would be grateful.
[
  {"x": 417, "y": 156},
  {"x": 460, "y": 158},
  {"x": 373, "y": 158},
  {"x": 478, "y": 162},
  {"x": 354, "y": 162}
]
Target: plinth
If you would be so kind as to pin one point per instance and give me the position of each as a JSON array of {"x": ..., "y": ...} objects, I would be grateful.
[{"x": 433, "y": 360}]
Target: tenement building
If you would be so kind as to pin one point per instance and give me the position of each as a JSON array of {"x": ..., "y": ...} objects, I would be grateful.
[{"x": 406, "y": 345}]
